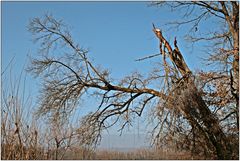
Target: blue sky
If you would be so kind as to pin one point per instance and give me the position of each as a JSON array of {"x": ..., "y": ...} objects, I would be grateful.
[{"x": 116, "y": 33}]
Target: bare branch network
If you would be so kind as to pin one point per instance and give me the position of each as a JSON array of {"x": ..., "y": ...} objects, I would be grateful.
[{"x": 181, "y": 104}]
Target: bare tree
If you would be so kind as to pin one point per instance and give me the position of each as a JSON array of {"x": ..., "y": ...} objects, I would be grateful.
[
  {"x": 179, "y": 102},
  {"x": 68, "y": 78},
  {"x": 220, "y": 87}
]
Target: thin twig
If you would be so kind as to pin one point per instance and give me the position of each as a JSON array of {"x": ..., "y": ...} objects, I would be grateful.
[{"x": 147, "y": 57}]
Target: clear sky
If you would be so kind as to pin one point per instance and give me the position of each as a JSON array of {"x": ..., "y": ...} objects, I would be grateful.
[{"x": 116, "y": 33}]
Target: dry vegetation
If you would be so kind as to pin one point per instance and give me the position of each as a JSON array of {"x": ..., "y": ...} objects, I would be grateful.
[
  {"x": 144, "y": 154},
  {"x": 194, "y": 113}
]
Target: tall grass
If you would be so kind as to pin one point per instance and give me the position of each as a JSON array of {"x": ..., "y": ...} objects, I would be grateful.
[
  {"x": 139, "y": 154},
  {"x": 22, "y": 137},
  {"x": 19, "y": 133}
]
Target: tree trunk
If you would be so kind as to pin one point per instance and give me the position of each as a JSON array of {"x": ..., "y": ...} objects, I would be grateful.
[{"x": 197, "y": 112}]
